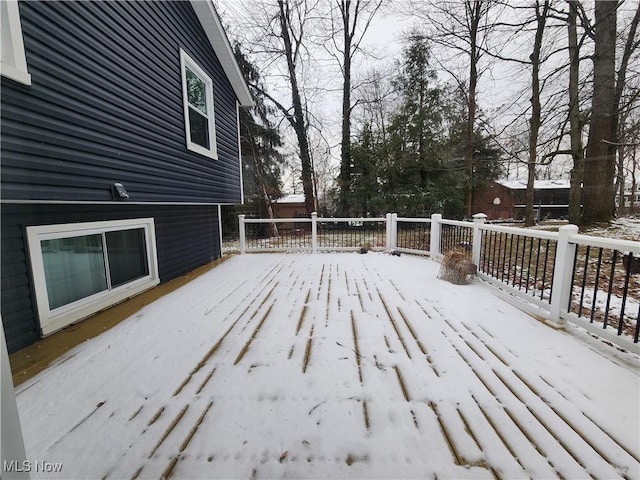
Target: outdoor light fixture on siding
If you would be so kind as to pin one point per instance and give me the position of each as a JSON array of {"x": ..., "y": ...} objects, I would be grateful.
[{"x": 119, "y": 191}]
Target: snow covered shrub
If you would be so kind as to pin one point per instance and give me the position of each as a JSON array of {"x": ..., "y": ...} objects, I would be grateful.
[{"x": 456, "y": 267}]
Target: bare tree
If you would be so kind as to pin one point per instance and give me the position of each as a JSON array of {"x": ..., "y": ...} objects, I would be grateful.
[
  {"x": 280, "y": 40},
  {"x": 599, "y": 169},
  {"x": 633, "y": 171},
  {"x": 575, "y": 129},
  {"x": 633, "y": 167},
  {"x": 376, "y": 96},
  {"x": 624, "y": 108},
  {"x": 475, "y": 11},
  {"x": 541, "y": 15},
  {"x": 533, "y": 128},
  {"x": 350, "y": 20},
  {"x": 292, "y": 35}
]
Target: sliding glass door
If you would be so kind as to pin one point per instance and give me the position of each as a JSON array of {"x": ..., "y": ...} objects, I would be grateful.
[
  {"x": 79, "y": 268},
  {"x": 74, "y": 268}
]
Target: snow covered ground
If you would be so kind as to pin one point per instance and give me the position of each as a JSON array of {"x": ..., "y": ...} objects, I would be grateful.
[
  {"x": 335, "y": 366},
  {"x": 626, "y": 228}
]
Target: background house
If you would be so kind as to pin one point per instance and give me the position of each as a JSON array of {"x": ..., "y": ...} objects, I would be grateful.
[
  {"x": 631, "y": 196},
  {"x": 290, "y": 206},
  {"x": 119, "y": 144},
  {"x": 506, "y": 199},
  {"x": 495, "y": 201}
]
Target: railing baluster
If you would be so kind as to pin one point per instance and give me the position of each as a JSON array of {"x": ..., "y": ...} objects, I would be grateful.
[
  {"x": 544, "y": 270},
  {"x": 595, "y": 286},
  {"x": 553, "y": 273},
  {"x": 606, "y": 309},
  {"x": 493, "y": 255},
  {"x": 524, "y": 247},
  {"x": 535, "y": 273},
  {"x": 573, "y": 277},
  {"x": 584, "y": 279},
  {"x": 624, "y": 294},
  {"x": 515, "y": 260},
  {"x": 526, "y": 290},
  {"x": 499, "y": 272},
  {"x": 510, "y": 255},
  {"x": 501, "y": 267},
  {"x": 483, "y": 247}
]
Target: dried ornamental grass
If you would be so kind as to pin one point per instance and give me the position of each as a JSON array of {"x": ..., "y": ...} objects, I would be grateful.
[{"x": 457, "y": 267}]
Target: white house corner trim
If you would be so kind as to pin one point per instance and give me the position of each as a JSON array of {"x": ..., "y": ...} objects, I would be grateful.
[{"x": 240, "y": 154}]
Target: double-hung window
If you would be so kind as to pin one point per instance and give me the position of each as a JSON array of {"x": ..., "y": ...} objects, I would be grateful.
[
  {"x": 14, "y": 62},
  {"x": 81, "y": 268},
  {"x": 197, "y": 97}
]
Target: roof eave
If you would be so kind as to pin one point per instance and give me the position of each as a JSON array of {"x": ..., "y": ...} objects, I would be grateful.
[{"x": 210, "y": 21}]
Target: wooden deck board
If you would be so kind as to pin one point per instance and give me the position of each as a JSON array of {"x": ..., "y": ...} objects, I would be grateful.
[{"x": 334, "y": 366}]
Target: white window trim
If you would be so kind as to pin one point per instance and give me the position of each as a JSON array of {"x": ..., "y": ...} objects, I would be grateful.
[
  {"x": 53, "y": 320},
  {"x": 187, "y": 61},
  {"x": 14, "y": 67}
]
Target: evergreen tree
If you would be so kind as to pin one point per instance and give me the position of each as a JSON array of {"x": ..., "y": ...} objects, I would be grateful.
[
  {"x": 418, "y": 167},
  {"x": 419, "y": 179},
  {"x": 259, "y": 142},
  {"x": 261, "y": 159},
  {"x": 365, "y": 198}
]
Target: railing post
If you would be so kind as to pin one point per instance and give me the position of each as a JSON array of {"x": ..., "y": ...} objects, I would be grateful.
[
  {"x": 388, "y": 231},
  {"x": 562, "y": 274},
  {"x": 314, "y": 232},
  {"x": 241, "y": 233},
  {"x": 478, "y": 221},
  {"x": 394, "y": 230},
  {"x": 436, "y": 229}
]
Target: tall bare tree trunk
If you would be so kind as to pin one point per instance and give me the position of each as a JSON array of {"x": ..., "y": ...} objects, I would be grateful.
[
  {"x": 344, "y": 179},
  {"x": 536, "y": 109},
  {"x": 473, "y": 9},
  {"x": 362, "y": 12},
  {"x": 298, "y": 123},
  {"x": 632, "y": 206},
  {"x": 619, "y": 183},
  {"x": 630, "y": 46},
  {"x": 577, "y": 154},
  {"x": 600, "y": 165}
]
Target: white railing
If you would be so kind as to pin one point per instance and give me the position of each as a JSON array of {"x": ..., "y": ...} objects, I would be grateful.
[
  {"x": 543, "y": 268},
  {"x": 314, "y": 234},
  {"x": 555, "y": 272}
]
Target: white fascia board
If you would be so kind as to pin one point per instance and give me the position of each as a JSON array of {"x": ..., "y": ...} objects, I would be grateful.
[{"x": 208, "y": 17}]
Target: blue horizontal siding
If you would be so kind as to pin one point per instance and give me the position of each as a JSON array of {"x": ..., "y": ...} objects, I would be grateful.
[
  {"x": 105, "y": 106},
  {"x": 186, "y": 238}
]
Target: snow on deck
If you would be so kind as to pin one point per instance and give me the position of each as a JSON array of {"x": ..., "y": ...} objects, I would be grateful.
[{"x": 334, "y": 366}]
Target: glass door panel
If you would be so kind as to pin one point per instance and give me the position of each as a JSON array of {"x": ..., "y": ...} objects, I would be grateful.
[
  {"x": 127, "y": 254},
  {"x": 73, "y": 268}
]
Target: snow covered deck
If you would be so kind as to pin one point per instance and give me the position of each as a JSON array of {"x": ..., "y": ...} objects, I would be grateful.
[{"x": 334, "y": 366}]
